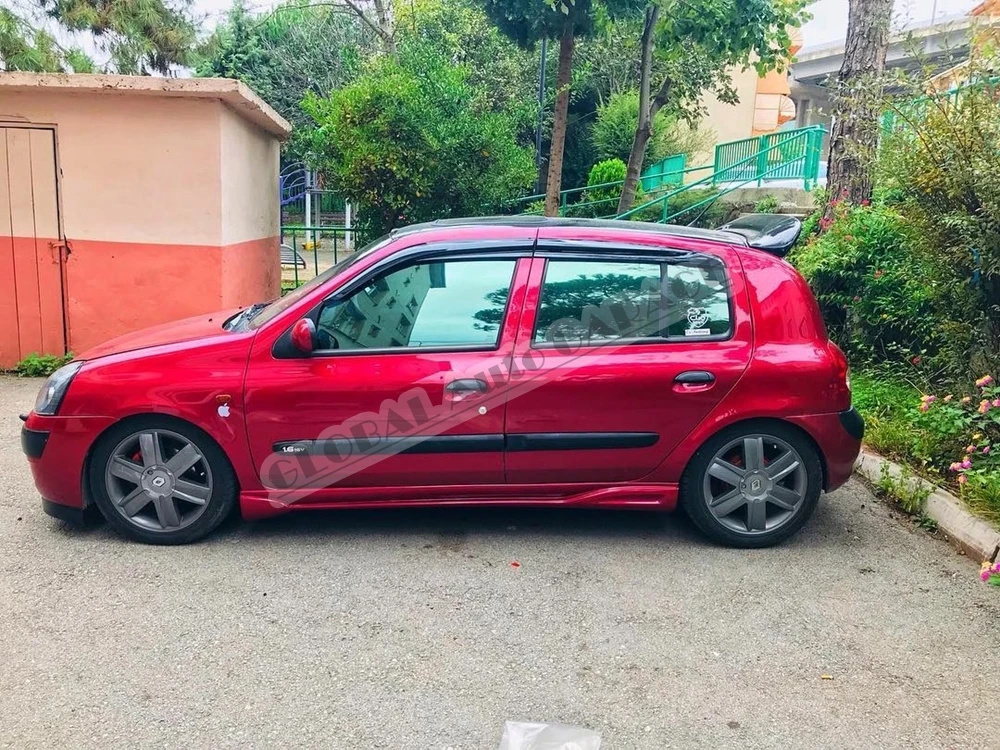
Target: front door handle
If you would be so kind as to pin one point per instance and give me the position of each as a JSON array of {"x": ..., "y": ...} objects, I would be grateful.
[
  {"x": 695, "y": 377},
  {"x": 467, "y": 385}
]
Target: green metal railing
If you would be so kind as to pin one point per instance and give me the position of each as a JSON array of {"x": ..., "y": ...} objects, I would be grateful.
[
  {"x": 785, "y": 155},
  {"x": 307, "y": 251},
  {"x": 794, "y": 156},
  {"x": 669, "y": 171}
]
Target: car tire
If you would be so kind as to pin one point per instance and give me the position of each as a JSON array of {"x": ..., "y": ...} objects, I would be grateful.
[
  {"x": 141, "y": 468},
  {"x": 752, "y": 485}
]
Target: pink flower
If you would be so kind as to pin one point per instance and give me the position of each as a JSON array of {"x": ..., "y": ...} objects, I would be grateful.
[
  {"x": 962, "y": 479},
  {"x": 986, "y": 450},
  {"x": 970, "y": 449},
  {"x": 925, "y": 406},
  {"x": 866, "y": 202},
  {"x": 985, "y": 575},
  {"x": 984, "y": 381},
  {"x": 948, "y": 398},
  {"x": 965, "y": 400},
  {"x": 996, "y": 403},
  {"x": 966, "y": 464},
  {"x": 955, "y": 466},
  {"x": 984, "y": 406}
]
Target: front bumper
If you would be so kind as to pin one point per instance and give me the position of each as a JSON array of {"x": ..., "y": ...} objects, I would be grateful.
[{"x": 57, "y": 449}]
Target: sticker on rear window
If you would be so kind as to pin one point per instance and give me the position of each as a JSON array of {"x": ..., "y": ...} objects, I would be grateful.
[{"x": 698, "y": 332}]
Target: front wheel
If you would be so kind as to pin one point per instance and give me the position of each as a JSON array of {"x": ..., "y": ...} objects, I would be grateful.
[
  {"x": 162, "y": 482},
  {"x": 752, "y": 485}
]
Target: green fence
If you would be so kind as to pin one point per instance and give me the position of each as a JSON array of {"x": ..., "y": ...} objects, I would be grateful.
[
  {"x": 669, "y": 171},
  {"x": 790, "y": 154},
  {"x": 785, "y": 155},
  {"x": 307, "y": 251}
]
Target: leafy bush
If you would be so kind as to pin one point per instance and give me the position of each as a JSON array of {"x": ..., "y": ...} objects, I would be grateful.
[
  {"x": 407, "y": 143},
  {"x": 614, "y": 130},
  {"x": 769, "y": 204},
  {"x": 40, "y": 365},
  {"x": 939, "y": 169},
  {"x": 879, "y": 294},
  {"x": 603, "y": 201}
]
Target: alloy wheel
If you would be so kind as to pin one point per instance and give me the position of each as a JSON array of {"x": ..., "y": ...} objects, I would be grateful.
[
  {"x": 158, "y": 480},
  {"x": 755, "y": 484}
]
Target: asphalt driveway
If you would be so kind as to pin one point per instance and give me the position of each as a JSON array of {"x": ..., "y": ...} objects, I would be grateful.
[{"x": 415, "y": 629}]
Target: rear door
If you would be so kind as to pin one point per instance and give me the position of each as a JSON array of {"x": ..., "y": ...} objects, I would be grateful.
[{"x": 625, "y": 349}]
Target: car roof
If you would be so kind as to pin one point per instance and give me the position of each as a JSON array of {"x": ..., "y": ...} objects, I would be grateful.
[{"x": 540, "y": 222}]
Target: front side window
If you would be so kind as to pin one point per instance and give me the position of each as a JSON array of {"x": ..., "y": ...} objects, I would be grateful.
[
  {"x": 596, "y": 301},
  {"x": 446, "y": 303}
]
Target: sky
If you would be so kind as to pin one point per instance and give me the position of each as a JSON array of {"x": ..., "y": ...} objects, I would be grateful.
[{"x": 829, "y": 22}]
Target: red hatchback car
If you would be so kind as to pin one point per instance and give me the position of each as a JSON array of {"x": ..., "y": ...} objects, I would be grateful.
[{"x": 519, "y": 361}]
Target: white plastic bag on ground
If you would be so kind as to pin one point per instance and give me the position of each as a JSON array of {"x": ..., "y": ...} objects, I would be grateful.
[{"x": 529, "y": 735}]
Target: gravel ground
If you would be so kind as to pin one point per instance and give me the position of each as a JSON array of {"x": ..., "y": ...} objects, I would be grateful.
[{"x": 414, "y": 629}]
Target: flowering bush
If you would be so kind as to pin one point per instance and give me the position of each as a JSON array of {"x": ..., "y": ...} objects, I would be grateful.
[
  {"x": 991, "y": 573},
  {"x": 973, "y": 424}
]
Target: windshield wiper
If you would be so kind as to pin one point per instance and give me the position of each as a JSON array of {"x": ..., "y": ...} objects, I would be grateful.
[{"x": 243, "y": 317}]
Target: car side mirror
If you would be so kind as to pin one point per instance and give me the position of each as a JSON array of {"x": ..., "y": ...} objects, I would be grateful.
[{"x": 304, "y": 336}]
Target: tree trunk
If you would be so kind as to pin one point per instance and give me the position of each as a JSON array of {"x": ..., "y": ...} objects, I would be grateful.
[
  {"x": 857, "y": 107},
  {"x": 385, "y": 23},
  {"x": 644, "y": 128},
  {"x": 563, "y": 79}
]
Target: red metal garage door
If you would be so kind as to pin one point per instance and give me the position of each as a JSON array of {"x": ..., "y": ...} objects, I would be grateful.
[{"x": 32, "y": 317}]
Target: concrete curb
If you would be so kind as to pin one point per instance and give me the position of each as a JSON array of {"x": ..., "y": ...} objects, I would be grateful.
[{"x": 971, "y": 534}]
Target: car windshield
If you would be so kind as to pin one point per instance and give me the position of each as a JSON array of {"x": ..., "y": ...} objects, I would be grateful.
[{"x": 277, "y": 307}]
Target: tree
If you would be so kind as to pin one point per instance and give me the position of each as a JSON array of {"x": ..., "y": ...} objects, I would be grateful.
[
  {"x": 294, "y": 49},
  {"x": 697, "y": 45},
  {"x": 857, "y": 106},
  {"x": 139, "y": 37},
  {"x": 406, "y": 142},
  {"x": 527, "y": 21}
]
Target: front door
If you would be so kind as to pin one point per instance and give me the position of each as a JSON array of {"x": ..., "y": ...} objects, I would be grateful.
[
  {"x": 628, "y": 348},
  {"x": 423, "y": 346},
  {"x": 31, "y": 288}
]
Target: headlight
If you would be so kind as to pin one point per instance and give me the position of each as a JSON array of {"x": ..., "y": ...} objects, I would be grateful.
[{"x": 52, "y": 392}]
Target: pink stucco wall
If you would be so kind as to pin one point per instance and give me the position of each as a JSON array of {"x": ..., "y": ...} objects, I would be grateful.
[{"x": 168, "y": 199}]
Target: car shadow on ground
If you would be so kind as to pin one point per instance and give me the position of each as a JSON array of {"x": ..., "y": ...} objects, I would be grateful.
[
  {"x": 482, "y": 521},
  {"x": 451, "y": 522}
]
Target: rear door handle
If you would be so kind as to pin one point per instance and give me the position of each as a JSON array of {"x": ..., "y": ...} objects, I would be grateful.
[
  {"x": 695, "y": 377},
  {"x": 473, "y": 385}
]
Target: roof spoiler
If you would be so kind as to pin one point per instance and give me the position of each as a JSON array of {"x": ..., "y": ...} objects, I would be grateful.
[{"x": 773, "y": 233}]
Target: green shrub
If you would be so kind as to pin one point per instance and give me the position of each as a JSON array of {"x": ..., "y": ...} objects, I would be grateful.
[
  {"x": 879, "y": 293},
  {"x": 407, "y": 141},
  {"x": 940, "y": 171},
  {"x": 614, "y": 130},
  {"x": 40, "y": 365},
  {"x": 769, "y": 204},
  {"x": 603, "y": 201}
]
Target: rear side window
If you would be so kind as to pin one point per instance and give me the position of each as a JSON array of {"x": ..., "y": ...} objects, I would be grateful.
[{"x": 596, "y": 301}]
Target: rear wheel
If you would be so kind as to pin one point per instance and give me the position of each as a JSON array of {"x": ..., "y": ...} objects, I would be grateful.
[
  {"x": 753, "y": 485},
  {"x": 162, "y": 481}
]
